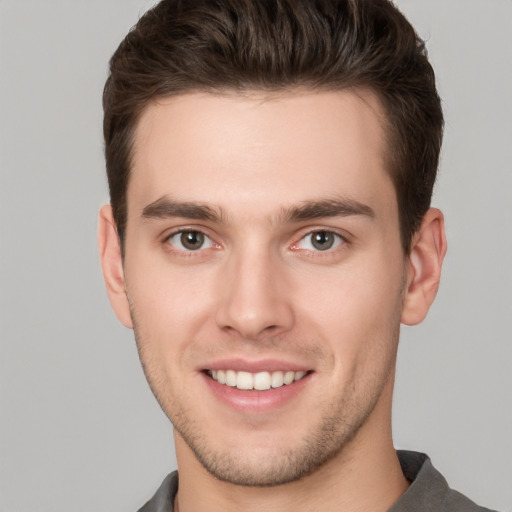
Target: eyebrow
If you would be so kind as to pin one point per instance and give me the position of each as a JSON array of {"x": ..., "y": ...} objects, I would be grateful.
[
  {"x": 311, "y": 210},
  {"x": 165, "y": 208}
]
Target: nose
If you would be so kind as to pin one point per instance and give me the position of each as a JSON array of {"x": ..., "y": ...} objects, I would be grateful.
[{"x": 255, "y": 301}]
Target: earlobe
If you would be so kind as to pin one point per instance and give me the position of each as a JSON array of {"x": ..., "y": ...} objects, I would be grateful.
[
  {"x": 424, "y": 264},
  {"x": 112, "y": 265}
]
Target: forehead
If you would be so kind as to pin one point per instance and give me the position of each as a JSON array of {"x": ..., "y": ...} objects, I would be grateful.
[{"x": 261, "y": 151}]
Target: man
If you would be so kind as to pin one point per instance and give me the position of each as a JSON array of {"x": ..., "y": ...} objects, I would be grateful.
[{"x": 270, "y": 167}]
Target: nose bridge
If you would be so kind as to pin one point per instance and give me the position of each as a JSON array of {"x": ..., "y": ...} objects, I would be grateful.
[{"x": 254, "y": 302}]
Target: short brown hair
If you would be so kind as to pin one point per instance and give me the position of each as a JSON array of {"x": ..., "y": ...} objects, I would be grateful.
[{"x": 182, "y": 46}]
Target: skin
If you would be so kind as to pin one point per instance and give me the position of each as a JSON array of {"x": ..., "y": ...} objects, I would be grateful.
[{"x": 258, "y": 290}]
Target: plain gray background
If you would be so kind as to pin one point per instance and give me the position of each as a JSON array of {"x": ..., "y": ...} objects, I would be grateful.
[{"x": 79, "y": 428}]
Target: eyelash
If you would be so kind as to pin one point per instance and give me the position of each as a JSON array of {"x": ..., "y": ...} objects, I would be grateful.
[
  {"x": 339, "y": 240},
  {"x": 184, "y": 250}
]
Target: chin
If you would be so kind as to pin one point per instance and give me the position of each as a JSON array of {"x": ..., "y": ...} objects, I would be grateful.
[{"x": 271, "y": 463}]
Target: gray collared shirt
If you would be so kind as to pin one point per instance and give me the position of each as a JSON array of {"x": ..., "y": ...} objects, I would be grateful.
[{"x": 428, "y": 491}]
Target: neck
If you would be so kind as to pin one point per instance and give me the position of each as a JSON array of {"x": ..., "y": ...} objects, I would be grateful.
[{"x": 364, "y": 476}]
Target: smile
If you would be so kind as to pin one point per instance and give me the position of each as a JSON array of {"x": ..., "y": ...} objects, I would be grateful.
[{"x": 260, "y": 381}]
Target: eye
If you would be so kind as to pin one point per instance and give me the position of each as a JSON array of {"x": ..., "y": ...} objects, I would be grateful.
[
  {"x": 190, "y": 240},
  {"x": 320, "y": 241}
]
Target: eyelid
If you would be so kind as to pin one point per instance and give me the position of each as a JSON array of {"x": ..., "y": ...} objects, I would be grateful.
[
  {"x": 189, "y": 229},
  {"x": 342, "y": 240}
]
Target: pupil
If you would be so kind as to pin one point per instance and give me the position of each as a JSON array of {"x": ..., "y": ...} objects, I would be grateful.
[
  {"x": 323, "y": 240},
  {"x": 192, "y": 240}
]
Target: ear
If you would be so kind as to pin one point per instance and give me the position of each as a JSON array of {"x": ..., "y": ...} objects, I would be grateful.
[
  {"x": 424, "y": 264},
  {"x": 112, "y": 265}
]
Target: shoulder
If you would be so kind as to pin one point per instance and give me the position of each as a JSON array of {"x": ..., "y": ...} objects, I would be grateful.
[
  {"x": 163, "y": 499},
  {"x": 457, "y": 502},
  {"x": 429, "y": 491}
]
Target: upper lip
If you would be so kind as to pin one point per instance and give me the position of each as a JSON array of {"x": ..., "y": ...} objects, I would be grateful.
[{"x": 262, "y": 365}]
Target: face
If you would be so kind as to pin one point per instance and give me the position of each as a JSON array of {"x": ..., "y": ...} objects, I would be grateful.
[{"x": 264, "y": 274}]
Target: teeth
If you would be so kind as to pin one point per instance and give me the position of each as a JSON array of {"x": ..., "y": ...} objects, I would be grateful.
[
  {"x": 289, "y": 377},
  {"x": 260, "y": 381},
  {"x": 230, "y": 378},
  {"x": 244, "y": 380},
  {"x": 277, "y": 379},
  {"x": 299, "y": 375}
]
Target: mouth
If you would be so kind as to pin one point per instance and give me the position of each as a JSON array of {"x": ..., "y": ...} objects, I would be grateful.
[{"x": 260, "y": 381}]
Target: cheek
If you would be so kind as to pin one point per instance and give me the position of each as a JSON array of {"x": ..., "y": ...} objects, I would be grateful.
[
  {"x": 170, "y": 304},
  {"x": 356, "y": 306},
  {"x": 169, "y": 309}
]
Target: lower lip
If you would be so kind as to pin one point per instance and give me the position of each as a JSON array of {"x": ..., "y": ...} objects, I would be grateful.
[{"x": 254, "y": 401}]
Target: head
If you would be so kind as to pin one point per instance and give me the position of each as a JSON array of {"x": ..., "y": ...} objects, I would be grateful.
[
  {"x": 271, "y": 166},
  {"x": 272, "y": 46}
]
